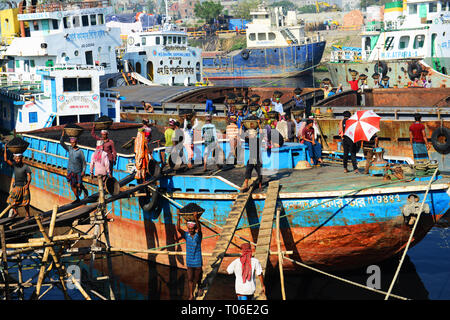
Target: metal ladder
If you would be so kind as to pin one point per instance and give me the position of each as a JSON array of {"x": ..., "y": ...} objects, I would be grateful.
[
  {"x": 225, "y": 238},
  {"x": 50, "y": 120},
  {"x": 265, "y": 233},
  {"x": 289, "y": 35}
]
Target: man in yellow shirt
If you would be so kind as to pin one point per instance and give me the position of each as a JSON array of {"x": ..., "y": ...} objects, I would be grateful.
[{"x": 168, "y": 135}]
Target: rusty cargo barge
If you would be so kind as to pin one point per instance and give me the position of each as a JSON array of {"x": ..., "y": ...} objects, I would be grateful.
[{"x": 351, "y": 221}]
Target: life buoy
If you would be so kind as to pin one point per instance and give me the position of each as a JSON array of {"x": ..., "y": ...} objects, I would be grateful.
[
  {"x": 414, "y": 66},
  {"x": 149, "y": 202},
  {"x": 380, "y": 68},
  {"x": 441, "y": 140},
  {"x": 245, "y": 54}
]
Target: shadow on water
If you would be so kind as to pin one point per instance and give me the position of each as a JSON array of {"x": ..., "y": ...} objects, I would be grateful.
[{"x": 139, "y": 279}]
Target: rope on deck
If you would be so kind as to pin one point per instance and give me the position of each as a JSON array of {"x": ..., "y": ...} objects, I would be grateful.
[{"x": 411, "y": 235}]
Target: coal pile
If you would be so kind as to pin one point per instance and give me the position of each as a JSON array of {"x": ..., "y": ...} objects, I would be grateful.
[
  {"x": 191, "y": 208},
  {"x": 104, "y": 119},
  {"x": 73, "y": 126},
  {"x": 18, "y": 142}
]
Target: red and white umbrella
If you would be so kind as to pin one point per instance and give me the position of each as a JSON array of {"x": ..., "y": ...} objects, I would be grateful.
[{"x": 362, "y": 125}]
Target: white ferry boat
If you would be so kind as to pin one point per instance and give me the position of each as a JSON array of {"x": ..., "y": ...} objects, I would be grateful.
[
  {"x": 54, "y": 58},
  {"x": 161, "y": 56},
  {"x": 412, "y": 42}
]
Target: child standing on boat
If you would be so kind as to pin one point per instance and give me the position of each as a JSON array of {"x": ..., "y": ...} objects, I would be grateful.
[{"x": 194, "y": 260}]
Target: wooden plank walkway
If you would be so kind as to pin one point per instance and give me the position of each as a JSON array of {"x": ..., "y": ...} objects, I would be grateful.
[
  {"x": 224, "y": 240},
  {"x": 265, "y": 232}
]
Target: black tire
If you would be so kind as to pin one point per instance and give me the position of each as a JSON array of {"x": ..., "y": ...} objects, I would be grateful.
[
  {"x": 380, "y": 68},
  {"x": 439, "y": 134},
  {"x": 414, "y": 66},
  {"x": 245, "y": 54},
  {"x": 149, "y": 202}
]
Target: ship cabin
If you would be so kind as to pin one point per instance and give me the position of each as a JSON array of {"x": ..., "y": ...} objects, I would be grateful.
[
  {"x": 64, "y": 94},
  {"x": 416, "y": 30},
  {"x": 274, "y": 29},
  {"x": 163, "y": 56},
  {"x": 59, "y": 33}
]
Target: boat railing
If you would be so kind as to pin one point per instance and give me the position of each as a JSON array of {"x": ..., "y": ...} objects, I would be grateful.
[
  {"x": 64, "y": 6},
  {"x": 13, "y": 78}
]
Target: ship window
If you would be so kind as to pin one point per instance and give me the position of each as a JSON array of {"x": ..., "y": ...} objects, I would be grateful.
[
  {"x": 32, "y": 117},
  {"x": 36, "y": 25},
  {"x": 32, "y": 64},
  {"x": 432, "y": 6},
  {"x": 272, "y": 36},
  {"x": 77, "y": 84},
  {"x": 252, "y": 37},
  {"x": 55, "y": 24},
  {"x": 65, "y": 22},
  {"x": 169, "y": 40},
  {"x": 93, "y": 19},
  {"x": 419, "y": 41},
  {"x": 389, "y": 43},
  {"x": 404, "y": 42},
  {"x": 20, "y": 116},
  {"x": 84, "y": 84},
  {"x": 261, "y": 36},
  {"x": 85, "y": 20},
  {"x": 184, "y": 40},
  {"x": 157, "y": 40},
  {"x": 164, "y": 40},
  {"x": 76, "y": 21},
  {"x": 100, "y": 18},
  {"x": 143, "y": 41},
  {"x": 413, "y": 9}
]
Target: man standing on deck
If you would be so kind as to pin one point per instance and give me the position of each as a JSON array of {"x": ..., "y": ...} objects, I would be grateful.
[
  {"x": 209, "y": 135},
  {"x": 348, "y": 144},
  {"x": 418, "y": 139},
  {"x": 368, "y": 147},
  {"x": 100, "y": 162},
  {"x": 313, "y": 146},
  {"x": 168, "y": 136},
  {"x": 253, "y": 139},
  {"x": 108, "y": 146},
  {"x": 19, "y": 196},
  {"x": 194, "y": 260},
  {"x": 76, "y": 167},
  {"x": 246, "y": 268}
]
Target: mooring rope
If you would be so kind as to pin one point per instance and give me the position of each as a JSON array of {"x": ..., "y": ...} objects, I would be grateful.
[
  {"x": 342, "y": 279},
  {"x": 411, "y": 235}
]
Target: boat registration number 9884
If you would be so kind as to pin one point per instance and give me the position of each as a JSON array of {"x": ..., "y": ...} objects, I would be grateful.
[{"x": 341, "y": 202}]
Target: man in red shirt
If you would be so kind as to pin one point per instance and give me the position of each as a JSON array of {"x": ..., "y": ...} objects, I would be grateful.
[
  {"x": 354, "y": 82},
  {"x": 418, "y": 139}
]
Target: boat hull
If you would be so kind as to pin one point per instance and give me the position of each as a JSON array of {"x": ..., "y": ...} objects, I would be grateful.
[
  {"x": 328, "y": 232},
  {"x": 268, "y": 62}
]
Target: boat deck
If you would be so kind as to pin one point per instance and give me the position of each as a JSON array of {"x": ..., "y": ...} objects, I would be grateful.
[{"x": 329, "y": 177}]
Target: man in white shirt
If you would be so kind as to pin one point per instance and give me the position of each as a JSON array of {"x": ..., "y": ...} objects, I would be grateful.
[{"x": 246, "y": 268}]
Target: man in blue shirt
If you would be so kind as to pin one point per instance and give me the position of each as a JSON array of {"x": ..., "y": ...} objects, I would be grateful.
[
  {"x": 210, "y": 109},
  {"x": 194, "y": 260}
]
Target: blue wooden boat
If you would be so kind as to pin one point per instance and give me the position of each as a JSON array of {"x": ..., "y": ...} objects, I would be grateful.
[{"x": 330, "y": 219}]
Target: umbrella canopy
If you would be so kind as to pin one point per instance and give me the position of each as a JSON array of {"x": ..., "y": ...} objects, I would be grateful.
[{"x": 362, "y": 125}]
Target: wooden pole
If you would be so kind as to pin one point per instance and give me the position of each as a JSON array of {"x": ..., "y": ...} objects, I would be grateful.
[
  {"x": 53, "y": 254},
  {"x": 280, "y": 255},
  {"x": 4, "y": 261},
  {"x": 5, "y": 210},
  {"x": 46, "y": 252}
]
